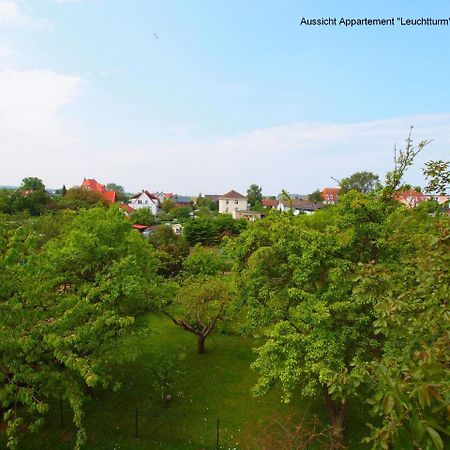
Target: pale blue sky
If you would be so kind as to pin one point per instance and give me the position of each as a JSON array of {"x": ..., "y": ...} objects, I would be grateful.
[{"x": 230, "y": 93}]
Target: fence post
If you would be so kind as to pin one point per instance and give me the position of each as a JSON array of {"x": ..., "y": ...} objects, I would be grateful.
[
  {"x": 61, "y": 417},
  {"x": 137, "y": 424},
  {"x": 217, "y": 435}
]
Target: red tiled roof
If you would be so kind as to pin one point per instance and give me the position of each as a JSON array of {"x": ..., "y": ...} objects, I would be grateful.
[
  {"x": 269, "y": 202},
  {"x": 93, "y": 185},
  {"x": 233, "y": 194},
  {"x": 126, "y": 208},
  {"x": 334, "y": 191},
  {"x": 411, "y": 193},
  {"x": 139, "y": 227}
]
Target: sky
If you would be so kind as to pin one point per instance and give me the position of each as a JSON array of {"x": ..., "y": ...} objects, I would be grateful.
[{"x": 208, "y": 96}]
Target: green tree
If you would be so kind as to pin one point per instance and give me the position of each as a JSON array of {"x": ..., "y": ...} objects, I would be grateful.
[
  {"x": 32, "y": 184},
  {"x": 78, "y": 197},
  {"x": 254, "y": 195},
  {"x": 64, "y": 299},
  {"x": 206, "y": 202},
  {"x": 142, "y": 216},
  {"x": 364, "y": 182},
  {"x": 119, "y": 190},
  {"x": 297, "y": 278},
  {"x": 172, "y": 250},
  {"x": 202, "y": 302},
  {"x": 202, "y": 261},
  {"x": 438, "y": 175},
  {"x": 315, "y": 196}
]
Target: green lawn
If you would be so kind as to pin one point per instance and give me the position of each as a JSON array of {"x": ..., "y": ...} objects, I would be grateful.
[{"x": 215, "y": 385}]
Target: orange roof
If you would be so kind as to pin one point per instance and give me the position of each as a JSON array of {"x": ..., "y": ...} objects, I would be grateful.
[
  {"x": 334, "y": 191},
  {"x": 411, "y": 193},
  {"x": 269, "y": 202},
  {"x": 126, "y": 208},
  {"x": 95, "y": 186}
]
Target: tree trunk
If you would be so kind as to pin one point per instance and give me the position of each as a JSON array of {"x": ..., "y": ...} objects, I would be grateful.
[
  {"x": 336, "y": 412},
  {"x": 201, "y": 343}
]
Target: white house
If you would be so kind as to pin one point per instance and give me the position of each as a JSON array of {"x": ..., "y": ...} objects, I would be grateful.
[
  {"x": 231, "y": 202},
  {"x": 145, "y": 200},
  {"x": 298, "y": 206}
]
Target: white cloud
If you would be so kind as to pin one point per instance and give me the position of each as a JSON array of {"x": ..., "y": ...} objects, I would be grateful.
[
  {"x": 32, "y": 132},
  {"x": 38, "y": 139},
  {"x": 12, "y": 14}
]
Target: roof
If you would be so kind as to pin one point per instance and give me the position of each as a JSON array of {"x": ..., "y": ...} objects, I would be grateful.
[
  {"x": 411, "y": 193},
  {"x": 151, "y": 196},
  {"x": 269, "y": 202},
  {"x": 301, "y": 204},
  {"x": 126, "y": 208},
  {"x": 181, "y": 199},
  {"x": 334, "y": 191},
  {"x": 139, "y": 227},
  {"x": 233, "y": 194},
  {"x": 213, "y": 197},
  {"x": 93, "y": 185}
]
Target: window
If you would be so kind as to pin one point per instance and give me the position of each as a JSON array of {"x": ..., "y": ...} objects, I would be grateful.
[
  {"x": 227, "y": 202},
  {"x": 236, "y": 202}
]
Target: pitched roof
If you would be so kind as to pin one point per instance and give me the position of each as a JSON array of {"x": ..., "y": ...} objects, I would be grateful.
[
  {"x": 334, "y": 191},
  {"x": 301, "y": 204},
  {"x": 151, "y": 197},
  {"x": 269, "y": 202},
  {"x": 93, "y": 185},
  {"x": 233, "y": 194},
  {"x": 126, "y": 208},
  {"x": 411, "y": 193}
]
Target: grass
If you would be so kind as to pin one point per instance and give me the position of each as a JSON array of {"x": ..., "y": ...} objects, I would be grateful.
[{"x": 215, "y": 385}]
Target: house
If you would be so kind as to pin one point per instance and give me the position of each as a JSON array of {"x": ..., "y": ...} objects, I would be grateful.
[
  {"x": 181, "y": 200},
  {"x": 145, "y": 230},
  {"x": 145, "y": 199},
  {"x": 330, "y": 195},
  {"x": 93, "y": 185},
  {"x": 298, "y": 206},
  {"x": 231, "y": 202},
  {"x": 411, "y": 198},
  {"x": 250, "y": 216},
  {"x": 269, "y": 203}
]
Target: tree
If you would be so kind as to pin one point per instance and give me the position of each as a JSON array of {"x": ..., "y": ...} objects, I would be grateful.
[
  {"x": 202, "y": 262},
  {"x": 172, "y": 250},
  {"x": 32, "y": 184},
  {"x": 315, "y": 196},
  {"x": 64, "y": 300},
  {"x": 360, "y": 181},
  {"x": 203, "y": 302},
  {"x": 119, "y": 190},
  {"x": 297, "y": 278},
  {"x": 78, "y": 197},
  {"x": 254, "y": 195},
  {"x": 142, "y": 216},
  {"x": 206, "y": 202},
  {"x": 438, "y": 174}
]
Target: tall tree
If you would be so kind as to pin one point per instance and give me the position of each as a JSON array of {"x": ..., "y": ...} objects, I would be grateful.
[
  {"x": 32, "y": 184},
  {"x": 315, "y": 196},
  {"x": 254, "y": 195},
  {"x": 64, "y": 299},
  {"x": 359, "y": 181}
]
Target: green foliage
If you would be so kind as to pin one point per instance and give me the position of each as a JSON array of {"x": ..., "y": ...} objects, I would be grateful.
[
  {"x": 119, "y": 190},
  {"x": 201, "y": 302},
  {"x": 364, "y": 182},
  {"x": 64, "y": 297},
  {"x": 33, "y": 203},
  {"x": 202, "y": 261},
  {"x": 32, "y": 184},
  {"x": 172, "y": 249},
  {"x": 254, "y": 195},
  {"x": 315, "y": 196},
  {"x": 78, "y": 197},
  {"x": 438, "y": 174},
  {"x": 142, "y": 216},
  {"x": 207, "y": 203}
]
